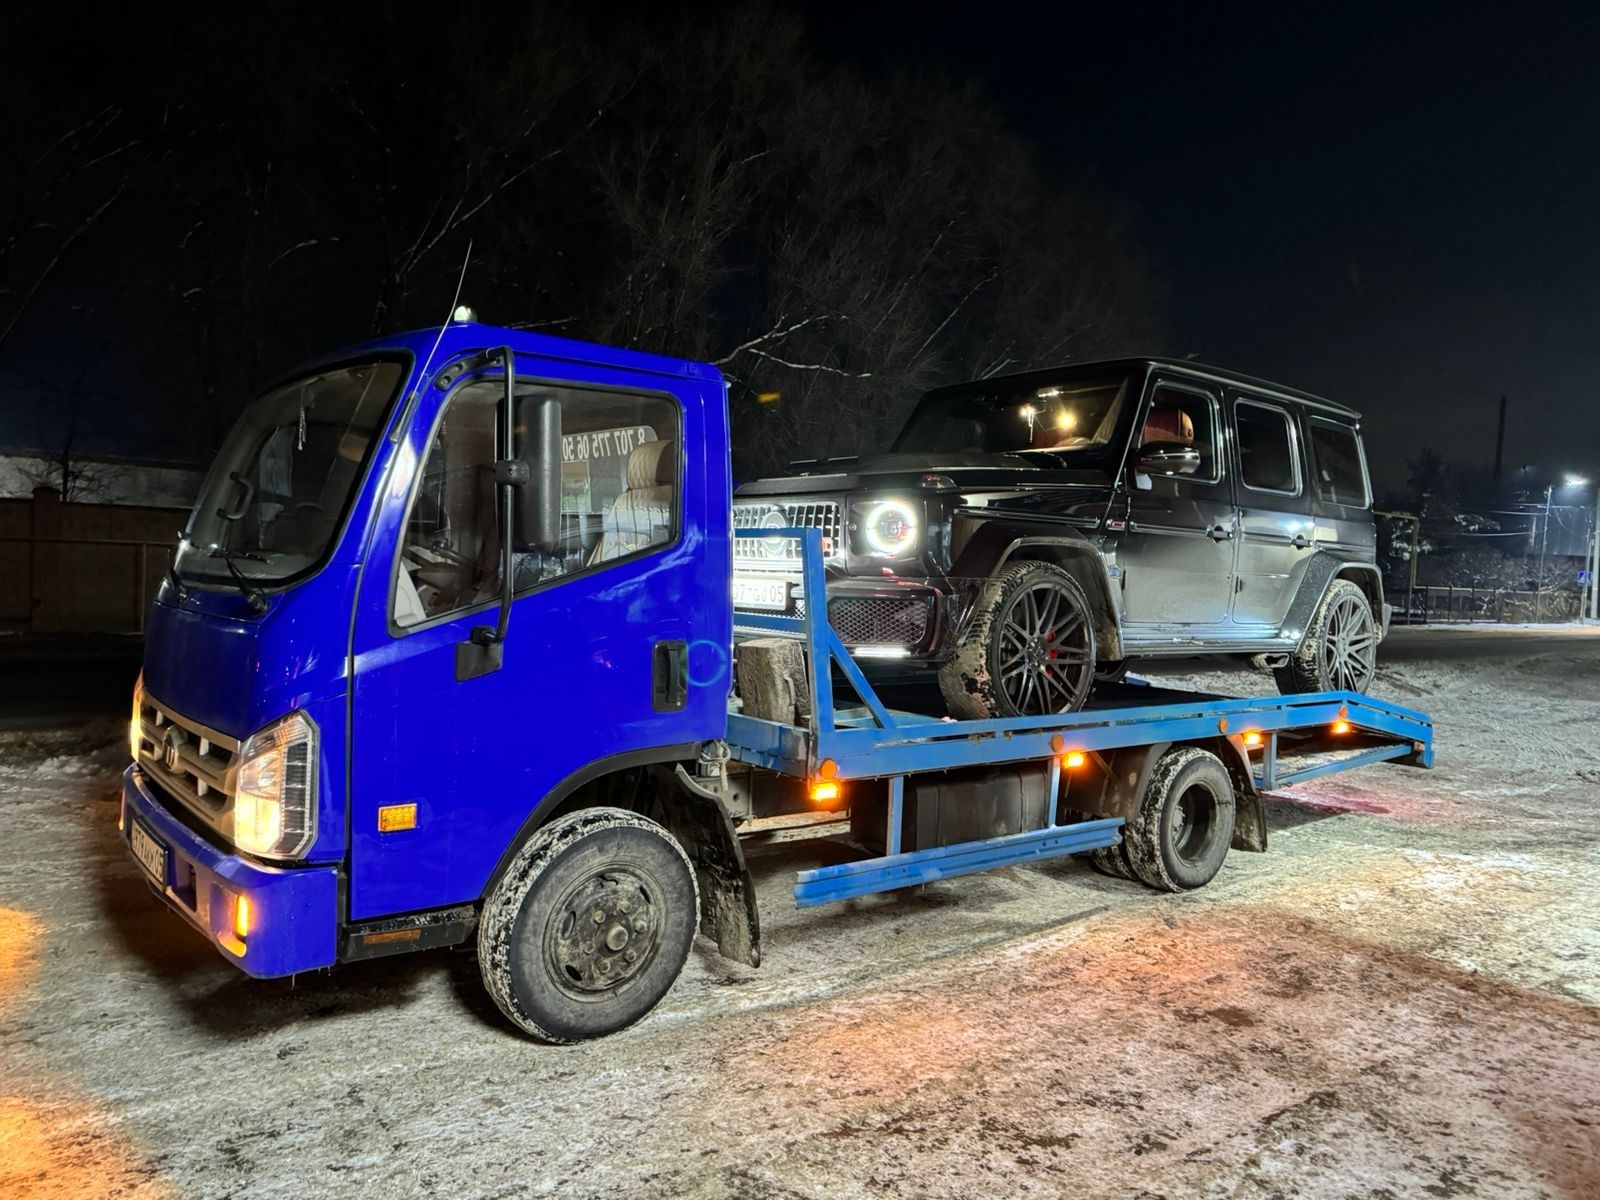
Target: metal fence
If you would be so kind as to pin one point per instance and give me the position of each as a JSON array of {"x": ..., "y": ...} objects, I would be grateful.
[
  {"x": 78, "y": 584},
  {"x": 1432, "y": 604}
]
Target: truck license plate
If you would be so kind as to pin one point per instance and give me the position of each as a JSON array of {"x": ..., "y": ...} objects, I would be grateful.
[
  {"x": 152, "y": 855},
  {"x": 760, "y": 593}
]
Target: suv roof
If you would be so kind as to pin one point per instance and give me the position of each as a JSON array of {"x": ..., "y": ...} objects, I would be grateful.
[{"x": 1220, "y": 374}]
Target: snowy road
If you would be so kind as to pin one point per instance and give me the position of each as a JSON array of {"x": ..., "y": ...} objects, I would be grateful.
[{"x": 1402, "y": 998}]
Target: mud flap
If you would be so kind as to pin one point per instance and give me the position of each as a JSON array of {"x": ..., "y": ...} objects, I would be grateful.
[{"x": 695, "y": 817}]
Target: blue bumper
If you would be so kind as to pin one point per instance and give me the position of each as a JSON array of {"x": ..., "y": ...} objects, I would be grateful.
[{"x": 294, "y": 911}]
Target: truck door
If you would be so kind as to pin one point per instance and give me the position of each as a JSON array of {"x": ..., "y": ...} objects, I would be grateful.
[
  {"x": 616, "y": 651},
  {"x": 1177, "y": 551},
  {"x": 1275, "y": 528}
]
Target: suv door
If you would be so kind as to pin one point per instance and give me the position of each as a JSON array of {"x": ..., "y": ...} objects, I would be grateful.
[
  {"x": 1275, "y": 527},
  {"x": 1176, "y": 553}
]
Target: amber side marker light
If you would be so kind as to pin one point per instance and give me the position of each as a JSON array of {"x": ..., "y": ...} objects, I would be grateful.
[
  {"x": 1252, "y": 738},
  {"x": 241, "y": 917},
  {"x": 824, "y": 791},
  {"x": 1074, "y": 759},
  {"x": 1341, "y": 727}
]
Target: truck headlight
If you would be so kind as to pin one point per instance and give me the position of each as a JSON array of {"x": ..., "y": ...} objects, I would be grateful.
[
  {"x": 136, "y": 725},
  {"x": 889, "y": 528},
  {"x": 275, "y": 791}
]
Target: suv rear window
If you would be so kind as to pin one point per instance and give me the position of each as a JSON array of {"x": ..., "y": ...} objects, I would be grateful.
[{"x": 1336, "y": 464}]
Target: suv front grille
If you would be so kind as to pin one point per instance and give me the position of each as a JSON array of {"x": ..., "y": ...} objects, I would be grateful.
[
  {"x": 192, "y": 763},
  {"x": 783, "y": 554},
  {"x": 879, "y": 620}
]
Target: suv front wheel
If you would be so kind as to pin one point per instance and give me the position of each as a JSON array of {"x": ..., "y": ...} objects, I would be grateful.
[
  {"x": 1028, "y": 649},
  {"x": 1340, "y": 651}
]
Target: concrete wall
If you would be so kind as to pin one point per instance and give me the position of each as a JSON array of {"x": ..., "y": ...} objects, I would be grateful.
[{"x": 81, "y": 567}]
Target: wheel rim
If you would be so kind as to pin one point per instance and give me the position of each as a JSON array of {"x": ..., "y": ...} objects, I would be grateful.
[
  {"x": 604, "y": 933},
  {"x": 1045, "y": 651},
  {"x": 1194, "y": 821},
  {"x": 1349, "y": 645}
]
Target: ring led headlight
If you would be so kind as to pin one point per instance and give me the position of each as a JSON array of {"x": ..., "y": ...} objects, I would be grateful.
[{"x": 890, "y": 527}]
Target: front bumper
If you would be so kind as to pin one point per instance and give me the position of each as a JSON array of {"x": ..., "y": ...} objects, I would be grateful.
[{"x": 294, "y": 911}]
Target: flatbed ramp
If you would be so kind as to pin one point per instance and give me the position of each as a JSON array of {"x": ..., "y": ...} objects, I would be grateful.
[{"x": 1266, "y": 742}]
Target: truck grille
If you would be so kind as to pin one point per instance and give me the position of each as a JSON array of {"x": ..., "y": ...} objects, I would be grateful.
[
  {"x": 783, "y": 554},
  {"x": 879, "y": 620},
  {"x": 190, "y": 762}
]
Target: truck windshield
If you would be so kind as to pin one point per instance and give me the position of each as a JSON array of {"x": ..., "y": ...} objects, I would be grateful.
[
  {"x": 279, "y": 488},
  {"x": 1072, "y": 418}
]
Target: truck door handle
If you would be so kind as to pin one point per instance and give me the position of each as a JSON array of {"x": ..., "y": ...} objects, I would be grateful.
[
  {"x": 1220, "y": 533},
  {"x": 669, "y": 686},
  {"x": 1300, "y": 541}
]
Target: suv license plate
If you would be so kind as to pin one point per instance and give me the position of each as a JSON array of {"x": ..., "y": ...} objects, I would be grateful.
[
  {"x": 152, "y": 855},
  {"x": 760, "y": 593}
]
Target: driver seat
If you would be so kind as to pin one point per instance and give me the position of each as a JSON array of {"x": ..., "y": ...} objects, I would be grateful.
[
  {"x": 1167, "y": 423},
  {"x": 641, "y": 515}
]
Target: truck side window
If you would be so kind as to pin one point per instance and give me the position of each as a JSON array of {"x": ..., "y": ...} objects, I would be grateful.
[
  {"x": 620, "y": 497},
  {"x": 1266, "y": 448},
  {"x": 1336, "y": 464}
]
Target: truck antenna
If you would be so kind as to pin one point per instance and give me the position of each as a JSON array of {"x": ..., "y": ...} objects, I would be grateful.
[{"x": 438, "y": 337}]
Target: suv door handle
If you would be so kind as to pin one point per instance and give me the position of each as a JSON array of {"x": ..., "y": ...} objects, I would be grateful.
[
  {"x": 1220, "y": 533},
  {"x": 1300, "y": 541}
]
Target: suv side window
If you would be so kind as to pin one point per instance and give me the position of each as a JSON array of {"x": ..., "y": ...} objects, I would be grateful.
[
  {"x": 1189, "y": 418},
  {"x": 1267, "y": 461},
  {"x": 1338, "y": 471},
  {"x": 619, "y": 496}
]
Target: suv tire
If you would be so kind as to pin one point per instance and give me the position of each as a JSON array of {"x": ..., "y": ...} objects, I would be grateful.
[
  {"x": 1339, "y": 652},
  {"x": 1028, "y": 649}
]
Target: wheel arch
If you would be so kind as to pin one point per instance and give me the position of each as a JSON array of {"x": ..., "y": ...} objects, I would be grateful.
[
  {"x": 1322, "y": 572},
  {"x": 1078, "y": 558}
]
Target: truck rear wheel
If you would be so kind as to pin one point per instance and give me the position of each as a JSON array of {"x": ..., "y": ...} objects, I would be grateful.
[
  {"x": 1180, "y": 834},
  {"x": 1028, "y": 650},
  {"x": 590, "y": 925}
]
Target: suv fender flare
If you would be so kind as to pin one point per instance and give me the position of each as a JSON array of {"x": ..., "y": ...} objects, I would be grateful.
[
  {"x": 1079, "y": 558},
  {"x": 1321, "y": 571}
]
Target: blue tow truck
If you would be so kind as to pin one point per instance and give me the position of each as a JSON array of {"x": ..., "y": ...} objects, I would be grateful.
[{"x": 448, "y": 651}]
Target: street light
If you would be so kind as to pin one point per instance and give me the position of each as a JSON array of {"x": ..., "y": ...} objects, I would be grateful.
[
  {"x": 1569, "y": 481},
  {"x": 1592, "y": 591}
]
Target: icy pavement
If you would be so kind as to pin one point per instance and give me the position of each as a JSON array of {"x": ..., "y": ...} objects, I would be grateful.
[{"x": 1402, "y": 998}]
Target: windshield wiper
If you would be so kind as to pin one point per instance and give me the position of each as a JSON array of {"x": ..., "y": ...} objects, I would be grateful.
[{"x": 253, "y": 595}]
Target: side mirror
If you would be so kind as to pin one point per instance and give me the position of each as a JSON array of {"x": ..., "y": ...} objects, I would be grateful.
[
  {"x": 537, "y": 443},
  {"x": 1167, "y": 458}
]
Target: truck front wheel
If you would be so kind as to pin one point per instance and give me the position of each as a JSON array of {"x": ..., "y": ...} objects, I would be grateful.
[{"x": 590, "y": 925}]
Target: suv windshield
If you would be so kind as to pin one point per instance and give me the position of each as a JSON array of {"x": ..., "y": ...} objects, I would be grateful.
[
  {"x": 1068, "y": 418},
  {"x": 282, "y": 481}
]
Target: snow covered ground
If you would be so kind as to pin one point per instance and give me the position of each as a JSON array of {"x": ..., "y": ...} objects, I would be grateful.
[{"x": 1402, "y": 998}]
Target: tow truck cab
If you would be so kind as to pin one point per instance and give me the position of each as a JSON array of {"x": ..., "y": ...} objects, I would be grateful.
[{"x": 347, "y": 725}]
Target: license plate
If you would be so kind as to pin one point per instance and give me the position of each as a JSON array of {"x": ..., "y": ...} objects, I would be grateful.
[
  {"x": 760, "y": 593},
  {"x": 152, "y": 855}
]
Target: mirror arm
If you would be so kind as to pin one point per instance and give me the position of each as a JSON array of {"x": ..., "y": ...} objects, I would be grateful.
[{"x": 484, "y": 651}]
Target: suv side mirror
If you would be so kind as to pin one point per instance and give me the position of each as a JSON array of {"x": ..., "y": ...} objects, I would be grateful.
[
  {"x": 537, "y": 442},
  {"x": 1167, "y": 458}
]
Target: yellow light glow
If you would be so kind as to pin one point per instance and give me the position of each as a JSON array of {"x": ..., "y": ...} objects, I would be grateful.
[
  {"x": 241, "y": 917},
  {"x": 824, "y": 791},
  {"x": 1066, "y": 420},
  {"x": 1074, "y": 759},
  {"x": 136, "y": 725},
  {"x": 1341, "y": 726},
  {"x": 1252, "y": 738}
]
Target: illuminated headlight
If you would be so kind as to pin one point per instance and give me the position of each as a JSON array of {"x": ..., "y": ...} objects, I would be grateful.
[
  {"x": 889, "y": 528},
  {"x": 275, "y": 794},
  {"x": 136, "y": 725}
]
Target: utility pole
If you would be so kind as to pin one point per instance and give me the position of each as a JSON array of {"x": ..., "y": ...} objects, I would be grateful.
[
  {"x": 1544, "y": 539},
  {"x": 1500, "y": 444}
]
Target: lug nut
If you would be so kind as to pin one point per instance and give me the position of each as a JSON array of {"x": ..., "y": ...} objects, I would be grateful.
[
  {"x": 638, "y": 924},
  {"x": 631, "y": 955},
  {"x": 622, "y": 906},
  {"x": 605, "y": 966},
  {"x": 599, "y": 915}
]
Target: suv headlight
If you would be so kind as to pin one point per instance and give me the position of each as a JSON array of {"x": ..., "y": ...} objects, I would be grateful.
[
  {"x": 889, "y": 528},
  {"x": 275, "y": 791}
]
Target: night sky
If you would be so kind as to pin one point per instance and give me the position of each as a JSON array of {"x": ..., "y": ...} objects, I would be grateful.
[{"x": 1397, "y": 207}]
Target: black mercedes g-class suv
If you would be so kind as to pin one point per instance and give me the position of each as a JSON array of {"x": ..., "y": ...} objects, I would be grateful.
[{"x": 1028, "y": 534}]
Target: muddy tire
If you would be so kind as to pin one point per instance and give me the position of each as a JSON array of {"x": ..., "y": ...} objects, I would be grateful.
[
  {"x": 1113, "y": 861},
  {"x": 1179, "y": 836},
  {"x": 555, "y": 970},
  {"x": 1339, "y": 652},
  {"x": 1028, "y": 649}
]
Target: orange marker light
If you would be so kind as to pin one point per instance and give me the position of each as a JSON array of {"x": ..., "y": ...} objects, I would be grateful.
[
  {"x": 1074, "y": 759},
  {"x": 1252, "y": 738},
  {"x": 1341, "y": 726},
  {"x": 824, "y": 791},
  {"x": 241, "y": 917}
]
